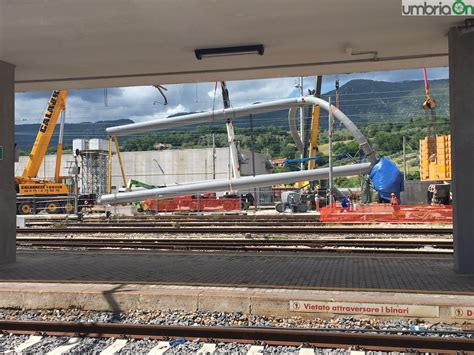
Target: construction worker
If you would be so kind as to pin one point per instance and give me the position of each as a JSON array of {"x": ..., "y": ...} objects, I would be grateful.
[
  {"x": 393, "y": 199},
  {"x": 316, "y": 201},
  {"x": 345, "y": 203}
]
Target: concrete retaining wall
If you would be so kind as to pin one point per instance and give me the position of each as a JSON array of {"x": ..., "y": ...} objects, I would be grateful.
[{"x": 165, "y": 166}]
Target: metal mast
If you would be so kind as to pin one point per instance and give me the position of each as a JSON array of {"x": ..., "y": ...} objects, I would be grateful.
[{"x": 234, "y": 157}]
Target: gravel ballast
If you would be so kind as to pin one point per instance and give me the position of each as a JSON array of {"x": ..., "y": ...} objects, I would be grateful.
[{"x": 230, "y": 319}]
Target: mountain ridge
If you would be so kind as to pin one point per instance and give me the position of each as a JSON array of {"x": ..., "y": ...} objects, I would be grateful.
[{"x": 364, "y": 101}]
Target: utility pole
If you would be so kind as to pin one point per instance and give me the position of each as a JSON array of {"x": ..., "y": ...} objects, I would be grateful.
[
  {"x": 404, "y": 160},
  {"x": 213, "y": 156},
  {"x": 330, "y": 129},
  {"x": 252, "y": 140},
  {"x": 301, "y": 87},
  {"x": 76, "y": 186}
]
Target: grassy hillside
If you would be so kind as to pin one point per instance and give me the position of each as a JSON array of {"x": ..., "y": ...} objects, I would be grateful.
[{"x": 368, "y": 101}]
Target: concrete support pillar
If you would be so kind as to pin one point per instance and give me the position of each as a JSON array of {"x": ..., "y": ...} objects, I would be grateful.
[
  {"x": 461, "y": 92},
  {"x": 7, "y": 165}
]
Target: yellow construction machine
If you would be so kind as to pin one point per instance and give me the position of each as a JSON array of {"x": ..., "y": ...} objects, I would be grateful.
[
  {"x": 435, "y": 149},
  {"x": 34, "y": 194},
  {"x": 435, "y": 155}
]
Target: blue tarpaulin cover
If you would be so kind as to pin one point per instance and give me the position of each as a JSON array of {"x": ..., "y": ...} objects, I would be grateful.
[{"x": 386, "y": 179}]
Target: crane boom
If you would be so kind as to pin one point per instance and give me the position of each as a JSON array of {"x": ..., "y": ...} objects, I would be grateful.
[
  {"x": 56, "y": 104},
  {"x": 315, "y": 113},
  {"x": 53, "y": 196},
  {"x": 234, "y": 158}
]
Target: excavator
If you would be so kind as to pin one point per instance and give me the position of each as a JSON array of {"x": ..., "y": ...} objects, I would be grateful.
[{"x": 34, "y": 194}]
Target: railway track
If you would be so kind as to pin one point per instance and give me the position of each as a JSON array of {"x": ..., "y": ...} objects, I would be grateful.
[
  {"x": 183, "y": 223},
  {"x": 176, "y": 217},
  {"x": 177, "y": 229},
  {"x": 366, "y": 340},
  {"x": 242, "y": 245}
]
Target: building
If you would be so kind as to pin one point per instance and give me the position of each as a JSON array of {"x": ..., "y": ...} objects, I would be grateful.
[{"x": 164, "y": 167}]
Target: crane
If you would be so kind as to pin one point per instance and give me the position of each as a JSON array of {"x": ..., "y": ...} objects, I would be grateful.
[
  {"x": 234, "y": 156},
  {"x": 53, "y": 194},
  {"x": 56, "y": 105},
  {"x": 435, "y": 154}
]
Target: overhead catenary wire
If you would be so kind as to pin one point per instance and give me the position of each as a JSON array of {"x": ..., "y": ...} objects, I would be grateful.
[
  {"x": 444, "y": 92},
  {"x": 348, "y": 103}
]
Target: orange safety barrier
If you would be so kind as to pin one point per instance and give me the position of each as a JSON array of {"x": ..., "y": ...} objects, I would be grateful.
[
  {"x": 387, "y": 213},
  {"x": 191, "y": 204}
]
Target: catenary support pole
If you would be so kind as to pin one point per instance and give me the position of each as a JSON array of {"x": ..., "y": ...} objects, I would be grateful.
[
  {"x": 7, "y": 165},
  {"x": 109, "y": 167},
  {"x": 461, "y": 99},
  {"x": 76, "y": 185},
  {"x": 404, "y": 159},
  {"x": 214, "y": 155},
  {"x": 330, "y": 131},
  {"x": 301, "y": 87},
  {"x": 252, "y": 145}
]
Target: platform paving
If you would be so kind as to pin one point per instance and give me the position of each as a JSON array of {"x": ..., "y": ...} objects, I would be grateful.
[{"x": 328, "y": 271}]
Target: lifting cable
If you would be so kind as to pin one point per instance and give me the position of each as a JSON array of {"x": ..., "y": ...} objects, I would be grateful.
[
  {"x": 429, "y": 105},
  {"x": 161, "y": 88}
]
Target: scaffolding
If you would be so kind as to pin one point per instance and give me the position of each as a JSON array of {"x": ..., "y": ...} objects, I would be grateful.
[{"x": 94, "y": 160}]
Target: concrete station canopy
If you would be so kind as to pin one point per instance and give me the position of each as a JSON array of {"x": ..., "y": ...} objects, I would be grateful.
[{"x": 103, "y": 43}]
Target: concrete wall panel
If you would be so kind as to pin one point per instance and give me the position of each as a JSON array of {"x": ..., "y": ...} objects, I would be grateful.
[
  {"x": 461, "y": 98},
  {"x": 165, "y": 166},
  {"x": 7, "y": 158}
]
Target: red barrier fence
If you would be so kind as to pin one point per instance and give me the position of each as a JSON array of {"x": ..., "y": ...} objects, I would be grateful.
[
  {"x": 388, "y": 213},
  {"x": 190, "y": 204}
]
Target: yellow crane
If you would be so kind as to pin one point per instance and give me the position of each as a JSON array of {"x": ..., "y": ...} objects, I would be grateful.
[
  {"x": 435, "y": 149},
  {"x": 28, "y": 187},
  {"x": 313, "y": 136}
]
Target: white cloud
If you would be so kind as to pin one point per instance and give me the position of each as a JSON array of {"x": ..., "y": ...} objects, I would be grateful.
[{"x": 145, "y": 102}]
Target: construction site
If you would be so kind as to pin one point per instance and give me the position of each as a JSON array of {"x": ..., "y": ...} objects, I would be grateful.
[
  {"x": 76, "y": 182},
  {"x": 244, "y": 195}
]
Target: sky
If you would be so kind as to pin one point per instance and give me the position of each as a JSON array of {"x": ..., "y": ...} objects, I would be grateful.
[{"x": 144, "y": 103}]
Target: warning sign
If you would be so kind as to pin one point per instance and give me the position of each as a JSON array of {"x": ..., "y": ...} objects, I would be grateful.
[
  {"x": 378, "y": 309},
  {"x": 462, "y": 312}
]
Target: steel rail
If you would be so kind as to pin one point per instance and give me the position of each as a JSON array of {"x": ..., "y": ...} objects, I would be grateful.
[
  {"x": 295, "y": 246},
  {"x": 175, "y": 217},
  {"x": 113, "y": 229},
  {"x": 273, "y": 250},
  {"x": 182, "y": 224},
  {"x": 271, "y": 336},
  {"x": 377, "y": 243},
  {"x": 194, "y": 224}
]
